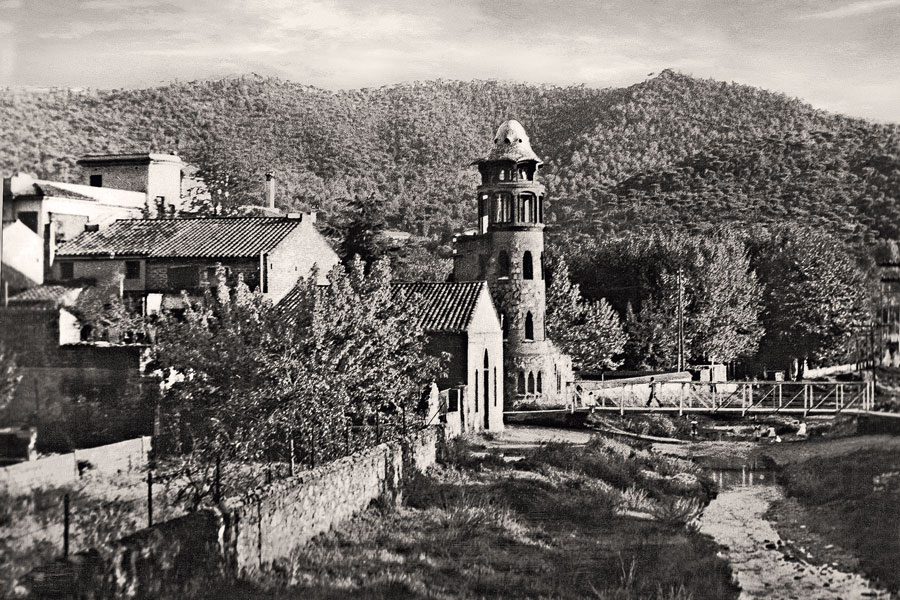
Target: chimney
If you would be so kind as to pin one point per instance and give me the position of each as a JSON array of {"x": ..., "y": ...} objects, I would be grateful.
[{"x": 270, "y": 190}]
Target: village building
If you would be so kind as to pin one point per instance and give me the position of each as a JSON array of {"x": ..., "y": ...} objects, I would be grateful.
[
  {"x": 40, "y": 215},
  {"x": 507, "y": 251},
  {"x": 460, "y": 319},
  {"x": 158, "y": 259}
]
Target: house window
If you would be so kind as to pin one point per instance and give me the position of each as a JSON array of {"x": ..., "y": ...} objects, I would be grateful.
[
  {"x": 183, "y": 278},
  {"x": 66, "y": 269},
  {"x": 454, "y": 401},
  {"x": 527, "y": 266},
  {"x": 503, "y": 264},
  {"x": 520, "y": 384},
  {"x": 529, "y": 327},
  {"x": 531, "y": 382},
  {"x": 132, "y": 269},
  {"x": 96, "y": 180}
]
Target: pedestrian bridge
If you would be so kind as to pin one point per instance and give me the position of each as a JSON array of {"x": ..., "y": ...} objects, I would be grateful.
[{"x": 744, "y": 398}]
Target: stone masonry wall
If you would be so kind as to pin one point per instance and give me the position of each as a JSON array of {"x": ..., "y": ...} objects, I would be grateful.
[
  {"x": 264, "y": 527},
  {"x": 245, "y": 537}
]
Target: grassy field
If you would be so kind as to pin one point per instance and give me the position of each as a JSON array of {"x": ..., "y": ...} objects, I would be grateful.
[
  {"x": 849, "y": 491},
  {"x": 607, "y": 520}
]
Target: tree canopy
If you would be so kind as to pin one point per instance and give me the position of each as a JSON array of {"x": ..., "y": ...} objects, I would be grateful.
[{"x": 588, "y": 331}]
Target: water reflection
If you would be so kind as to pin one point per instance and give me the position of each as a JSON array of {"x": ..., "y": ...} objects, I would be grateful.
[{"x": 747, "y": 476}]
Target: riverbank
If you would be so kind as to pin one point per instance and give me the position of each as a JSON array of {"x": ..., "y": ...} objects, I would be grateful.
[{"x": 842, "y": 504}]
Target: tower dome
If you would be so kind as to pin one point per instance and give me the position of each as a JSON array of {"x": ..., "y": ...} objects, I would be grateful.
[{"x": 511, "y": 143}]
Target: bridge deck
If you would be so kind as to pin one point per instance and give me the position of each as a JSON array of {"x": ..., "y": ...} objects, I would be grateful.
[{"x": 744, "y": 398}]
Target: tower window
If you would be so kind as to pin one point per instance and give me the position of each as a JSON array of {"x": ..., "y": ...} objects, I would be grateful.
[
  {"x": 543, "y": 268},
  {"x": 504, "y": 325},
  {"x": 540, "y": 385},
  {"x": 529, "y": 327},
  {"x": 531, "y": 382},
  {"x": 527, "y": 266},
  {"x": 502, "y": 175},
  {"x": 96, "y": 180},
  {"x": 541, "y": 209},
  {"x": 520, "y": 385},
  {"x": 503, "y": 264}
]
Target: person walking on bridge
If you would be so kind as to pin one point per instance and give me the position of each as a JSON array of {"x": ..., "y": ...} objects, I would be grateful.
[{"x": 653, "y": 386}]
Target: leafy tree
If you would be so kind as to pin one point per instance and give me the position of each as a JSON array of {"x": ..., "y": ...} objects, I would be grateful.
[
  {"x": 362, "y": 232},
  {"x": 639, "y": 274},
  {"x": 588, "y": 331},
  {"x": 250, "y": 383},
  {"x": 816, "y": 296}
]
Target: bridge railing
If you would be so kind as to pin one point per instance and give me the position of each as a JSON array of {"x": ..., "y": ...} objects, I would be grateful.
[{"x": 807, "y": 397}]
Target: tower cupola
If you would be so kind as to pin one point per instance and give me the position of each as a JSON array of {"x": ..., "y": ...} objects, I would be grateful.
[{"x": 509, "y": 195}]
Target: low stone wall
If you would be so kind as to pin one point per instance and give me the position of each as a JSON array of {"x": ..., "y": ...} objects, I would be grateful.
[
  {"x": 247, "y": 536},
  {"x": 175, "y": 559},
  {"x": 264, "y": 527},
  {"x": 63, "y": 469}
]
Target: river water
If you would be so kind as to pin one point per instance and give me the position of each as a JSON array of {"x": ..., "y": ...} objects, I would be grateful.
[{"x": 736, "y": 520}]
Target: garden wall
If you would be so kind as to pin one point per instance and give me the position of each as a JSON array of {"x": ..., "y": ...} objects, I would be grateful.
[
  {"x": 63, "y": 469},
  {"x": 247, "y": 536}
]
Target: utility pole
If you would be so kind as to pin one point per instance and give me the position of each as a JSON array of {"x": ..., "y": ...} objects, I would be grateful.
[{"x": 680, "y": 322}]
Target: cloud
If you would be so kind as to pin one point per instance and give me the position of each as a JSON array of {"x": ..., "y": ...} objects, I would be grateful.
[
  {"x": 855, "y": 9},
  {"x": 10, "y": 4}
]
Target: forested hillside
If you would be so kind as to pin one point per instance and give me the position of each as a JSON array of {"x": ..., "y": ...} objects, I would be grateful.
[{"x": 671, "y": 150}]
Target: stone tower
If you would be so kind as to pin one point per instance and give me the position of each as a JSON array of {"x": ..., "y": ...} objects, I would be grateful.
[{"x": 507, "y": 251}]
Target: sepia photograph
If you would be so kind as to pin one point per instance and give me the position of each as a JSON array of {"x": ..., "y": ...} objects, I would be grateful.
[{"x": 416, "y": 299}]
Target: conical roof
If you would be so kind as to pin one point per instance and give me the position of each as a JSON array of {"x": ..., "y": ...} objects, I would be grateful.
[{"x": 511, "y": 143}]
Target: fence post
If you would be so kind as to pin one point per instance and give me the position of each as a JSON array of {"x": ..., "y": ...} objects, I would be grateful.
[
  {"x": 291, "y": 465},
  {"x": 66, "y": 526},
  {"x": 149, "y": 498}
]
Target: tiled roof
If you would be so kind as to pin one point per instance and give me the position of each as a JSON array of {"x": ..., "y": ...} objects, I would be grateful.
[
  {"x": 49, "y": 295},
  {"x": 440, "y": 307},
  {"x": 291, "y": 301},
  {"x": 214, "y": 237}
]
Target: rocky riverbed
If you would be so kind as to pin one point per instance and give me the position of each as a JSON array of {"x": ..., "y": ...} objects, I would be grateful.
[{"x": 764, "y": 565}]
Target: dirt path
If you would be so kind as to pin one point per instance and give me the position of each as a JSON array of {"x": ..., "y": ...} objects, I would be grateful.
[{"x": 516, "y": 437}]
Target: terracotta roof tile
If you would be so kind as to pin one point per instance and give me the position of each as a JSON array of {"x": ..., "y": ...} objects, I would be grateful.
[
  {"x": 214, "y": 237},
  {"x": 440, "y": 307},
  {"x": 49, "y": 295}
]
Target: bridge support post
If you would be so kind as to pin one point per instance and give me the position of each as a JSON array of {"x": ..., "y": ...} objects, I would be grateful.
[
  {"x": 806, "y": 399},
  {"x": 779, "y": 395}
]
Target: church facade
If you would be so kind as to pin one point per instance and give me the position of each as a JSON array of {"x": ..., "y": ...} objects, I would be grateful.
[{"x": 507, "y": 251}]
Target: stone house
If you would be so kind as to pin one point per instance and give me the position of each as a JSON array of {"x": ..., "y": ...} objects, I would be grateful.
[
  {"x": 118, "y": 186},
  {"x": 57, "y": 369},
  {"x": 460, "y": 319},
  {"x": 157, "y": 259}
]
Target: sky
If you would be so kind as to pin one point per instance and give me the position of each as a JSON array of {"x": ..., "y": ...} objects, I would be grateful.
[{"x": 839, "y": 55}]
